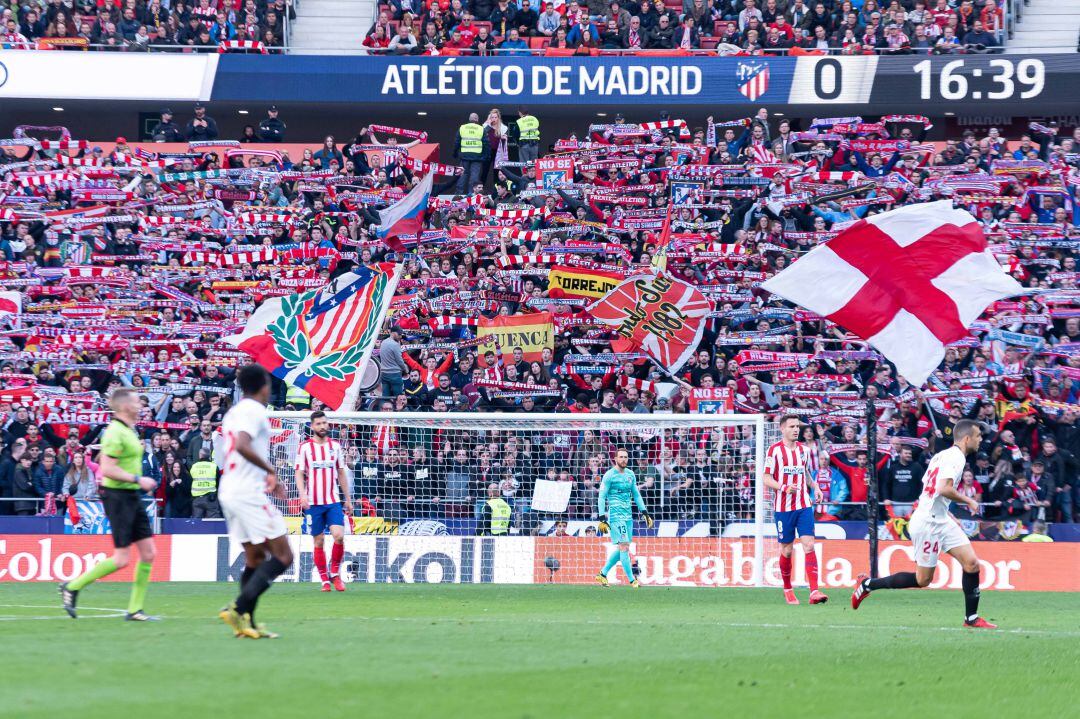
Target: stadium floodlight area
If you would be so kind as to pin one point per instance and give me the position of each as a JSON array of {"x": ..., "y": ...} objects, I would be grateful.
[{"x": 424, "y": 474}]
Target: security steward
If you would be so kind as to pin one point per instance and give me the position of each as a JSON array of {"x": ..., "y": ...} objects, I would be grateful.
[
  {"x": 528, "y": 136},
  {"x": 495, "y": 515},
  {"x": 204, "y": 479},
  {"x": 473, "y": 151}
]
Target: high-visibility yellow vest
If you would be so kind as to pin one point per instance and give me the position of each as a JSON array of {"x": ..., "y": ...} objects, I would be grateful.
[
  {"x": 1036, "y": 538},
  {"x": 500, "y": 515},
  {"x": 297, "y": 397},
  {"x": 472, "y": 140},
  {"x": 203, "y": 478},
  {"x": 528, "y": 129}
]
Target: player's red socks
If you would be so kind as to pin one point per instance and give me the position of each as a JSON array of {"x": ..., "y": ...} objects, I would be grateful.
[
  {"x": 811, "y": 570},
  {"x": 320, "y": 563},
  {"x": 785, "y": 571},
  {"x": 335, "y": 559}
]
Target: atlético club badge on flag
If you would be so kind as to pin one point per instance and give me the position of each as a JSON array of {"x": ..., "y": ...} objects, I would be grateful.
[
  {"x": 321, "y": 340},
  {"x": 753, "y": 79},
  {"x": 909, "y": 281}
]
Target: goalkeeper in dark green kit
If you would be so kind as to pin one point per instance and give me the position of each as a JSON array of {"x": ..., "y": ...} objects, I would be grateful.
[{"x": 618, "y": 495}]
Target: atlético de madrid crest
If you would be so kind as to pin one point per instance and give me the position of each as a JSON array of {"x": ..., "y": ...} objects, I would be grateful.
[{"x": 753, "y": 79}]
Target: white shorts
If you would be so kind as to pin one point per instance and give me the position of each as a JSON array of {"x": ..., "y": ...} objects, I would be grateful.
[
  {"x": 932, "y": 539},
  {"x": 252, "y": 518}
]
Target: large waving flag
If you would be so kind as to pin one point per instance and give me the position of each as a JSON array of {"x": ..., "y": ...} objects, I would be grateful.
[
  {"x": 405, "y": 217},
  {"x": 10, "y": 303},
  {"x": 657, "y": 313},
  {"x": 909, "y": 281},
  {"x": 321, "y": 340}
]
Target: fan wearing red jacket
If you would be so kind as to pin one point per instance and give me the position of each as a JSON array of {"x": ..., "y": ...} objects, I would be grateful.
[{"x": 856, "y": 473}]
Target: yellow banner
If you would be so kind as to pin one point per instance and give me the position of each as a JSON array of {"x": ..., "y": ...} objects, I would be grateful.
[
  {"x": 360, "y": 525},
  {"x": 532, "y": 333},
  {"x": 576, "y": 282}
]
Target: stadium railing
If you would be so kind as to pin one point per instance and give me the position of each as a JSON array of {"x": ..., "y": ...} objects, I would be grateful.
[{"x": 533, "y": 51}]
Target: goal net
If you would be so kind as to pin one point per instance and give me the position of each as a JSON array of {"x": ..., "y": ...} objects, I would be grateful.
[{"x": 478, "y": 497}]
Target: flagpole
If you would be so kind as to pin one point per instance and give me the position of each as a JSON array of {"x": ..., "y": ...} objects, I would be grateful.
[{"x": 872, "y": 485}]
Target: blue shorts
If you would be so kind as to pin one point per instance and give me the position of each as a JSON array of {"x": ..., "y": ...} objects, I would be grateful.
[
  {"x": 788, "y": 522},
  {"x": 622, "y": 530},
  {"x": 320, "y": 516}
]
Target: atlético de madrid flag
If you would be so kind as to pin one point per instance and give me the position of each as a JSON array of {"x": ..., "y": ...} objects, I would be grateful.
[
  {"x": 321, "y": 340},
  {"x": 909, "y": 281}
]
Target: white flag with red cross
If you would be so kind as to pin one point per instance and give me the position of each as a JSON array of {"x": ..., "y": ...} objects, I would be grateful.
[{"x": 909, "y": 281}]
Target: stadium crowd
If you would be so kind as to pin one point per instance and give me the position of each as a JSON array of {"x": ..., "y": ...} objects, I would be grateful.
[
  {"x": 746, "y": 26},
  {"x": 141, "y": 25},
  {"x": 126, "y": 268}
]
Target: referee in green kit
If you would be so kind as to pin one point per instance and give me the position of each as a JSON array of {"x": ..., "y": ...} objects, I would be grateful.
[{"x": 121, "y": 467}]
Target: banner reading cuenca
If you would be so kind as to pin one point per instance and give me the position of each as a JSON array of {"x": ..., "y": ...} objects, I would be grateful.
[{"x": 532, "y": 333}]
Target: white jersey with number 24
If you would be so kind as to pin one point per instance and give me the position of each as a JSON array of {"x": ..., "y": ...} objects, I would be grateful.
[{"x": 932, "y": 507}]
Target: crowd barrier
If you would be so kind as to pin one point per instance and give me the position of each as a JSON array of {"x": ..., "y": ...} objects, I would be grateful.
[
  {"x": 983, "y": 84},
  {"x": 664, "y": 561}
]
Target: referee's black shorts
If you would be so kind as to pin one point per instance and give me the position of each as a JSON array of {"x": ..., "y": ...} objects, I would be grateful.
[{"x": 126, "y": 515}]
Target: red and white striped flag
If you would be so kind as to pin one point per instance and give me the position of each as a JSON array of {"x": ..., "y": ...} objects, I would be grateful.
[{"x": 909, "y": 281}]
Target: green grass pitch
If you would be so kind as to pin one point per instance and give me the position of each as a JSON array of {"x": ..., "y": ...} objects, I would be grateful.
[{"x": 536, "y": 651}]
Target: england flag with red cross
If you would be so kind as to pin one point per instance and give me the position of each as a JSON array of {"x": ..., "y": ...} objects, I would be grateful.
[
  {"x": 909, "y": 281},
  {"x": 753, "y": 79}
]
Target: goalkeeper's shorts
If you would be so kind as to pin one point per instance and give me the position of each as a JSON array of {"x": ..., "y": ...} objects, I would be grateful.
[{"x": 622, "y": 530}]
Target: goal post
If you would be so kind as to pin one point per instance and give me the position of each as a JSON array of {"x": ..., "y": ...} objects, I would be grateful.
[{"x": 528, "y": 485}]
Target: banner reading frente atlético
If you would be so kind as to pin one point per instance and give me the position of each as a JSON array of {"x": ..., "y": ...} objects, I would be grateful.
[
  {"x": 532, "y": 333},
  {"x": 566, "y": 281},
  {"x": 663, "y": 316}
]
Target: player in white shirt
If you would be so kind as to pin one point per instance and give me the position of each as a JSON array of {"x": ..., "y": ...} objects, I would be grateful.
[
  {"x": 934, "y": 530},
  {"x": 253, "y": 520},
  {"x": 320, "y": 473}
]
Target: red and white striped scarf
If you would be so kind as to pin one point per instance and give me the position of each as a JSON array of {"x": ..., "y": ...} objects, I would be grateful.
[
  {"x": 241, "y": 45},
  {"x": 660, "y": 125},
  {"x": 62, "y": 144},
  {"x": 254, "y": 218}
]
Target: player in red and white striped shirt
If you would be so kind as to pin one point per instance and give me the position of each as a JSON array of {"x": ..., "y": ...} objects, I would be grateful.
[
  {"x": 320, "y": 471},
  {"x": 789, "y": 467}
]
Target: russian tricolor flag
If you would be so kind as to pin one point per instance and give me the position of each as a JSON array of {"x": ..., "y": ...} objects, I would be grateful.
[{"x": 407, "y": 216}]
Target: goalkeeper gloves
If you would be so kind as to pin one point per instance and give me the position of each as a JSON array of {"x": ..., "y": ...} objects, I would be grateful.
[
  {"x": 648, "y": 519},
  {"x": 603, "y": 528}
]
